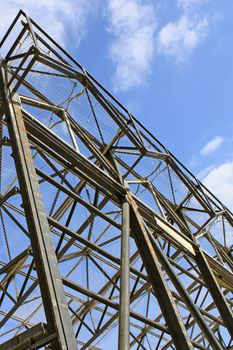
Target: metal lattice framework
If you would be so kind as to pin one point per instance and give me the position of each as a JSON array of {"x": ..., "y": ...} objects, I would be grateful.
[{"x": 107, "y": 240}]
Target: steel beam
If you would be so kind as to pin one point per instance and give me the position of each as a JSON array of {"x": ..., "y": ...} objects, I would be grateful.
[
  {"x": 24, "y": 340},
  {"x": 196, "y": 313},
  {"x": 89, "y": 177},
  {"x": 124, "y": 338},
  {"x": 158, "y": 281},
  {"x": 115, "y": 191},
  {"x": 113, "y": 305},
  {"x": 53, "y": 296},
  {"x": 215, "y": 291}
]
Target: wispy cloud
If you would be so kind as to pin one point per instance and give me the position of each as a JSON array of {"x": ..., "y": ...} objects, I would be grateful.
[
  {"x": 178, "y": 39},
  {"x": 220, "y": 181},
  {"x": 190, "y": 5},
  {"x": 132, "y": 24},
  {"x": 212, "y": 146},
  {"x": 56, "y": 16},
  {"x": 204, "y": 172}
]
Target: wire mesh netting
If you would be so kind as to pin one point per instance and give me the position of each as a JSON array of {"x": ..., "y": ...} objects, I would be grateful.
[{"x": 88, "y": 152}]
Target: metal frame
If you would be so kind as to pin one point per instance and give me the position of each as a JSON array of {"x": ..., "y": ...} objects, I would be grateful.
[{"x": 115, "y": 234}]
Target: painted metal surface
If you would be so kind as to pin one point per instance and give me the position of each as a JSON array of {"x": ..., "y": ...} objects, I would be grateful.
[{"x": 107, "y": 240}]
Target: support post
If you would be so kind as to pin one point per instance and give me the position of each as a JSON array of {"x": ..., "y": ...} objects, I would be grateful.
[
  {"x": 124, "y": 327},
  {"x": 161, "y": 290},
  {"x": 53, "y": 296}
]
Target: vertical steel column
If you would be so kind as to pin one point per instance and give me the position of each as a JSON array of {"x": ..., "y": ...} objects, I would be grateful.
[
  {"x": 54, "y": 301},
  {"x": 215, "y": 290},
  {"x": 158, "y": 281},
  {"x": 124, "y": 338}
]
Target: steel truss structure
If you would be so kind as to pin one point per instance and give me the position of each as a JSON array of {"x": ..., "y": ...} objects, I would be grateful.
[{"x": 107, "y": 240}]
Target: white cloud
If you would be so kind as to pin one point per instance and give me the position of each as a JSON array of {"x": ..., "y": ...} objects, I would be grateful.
[
  {"x": 194, "y": 160},
  {"x": 212, "y": 146},
  {"x": 204, "y": 172},
  {"x": 178, "y": 39},
  {"x": 52, "y": 15},
  {"x": 132, "y": 23},
  {"x": 220, "y": 182},
  {"x": 187, "y": 5}
]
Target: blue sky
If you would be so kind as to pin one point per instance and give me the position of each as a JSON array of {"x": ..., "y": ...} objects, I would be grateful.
[{"x": 169, "y": 61}]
